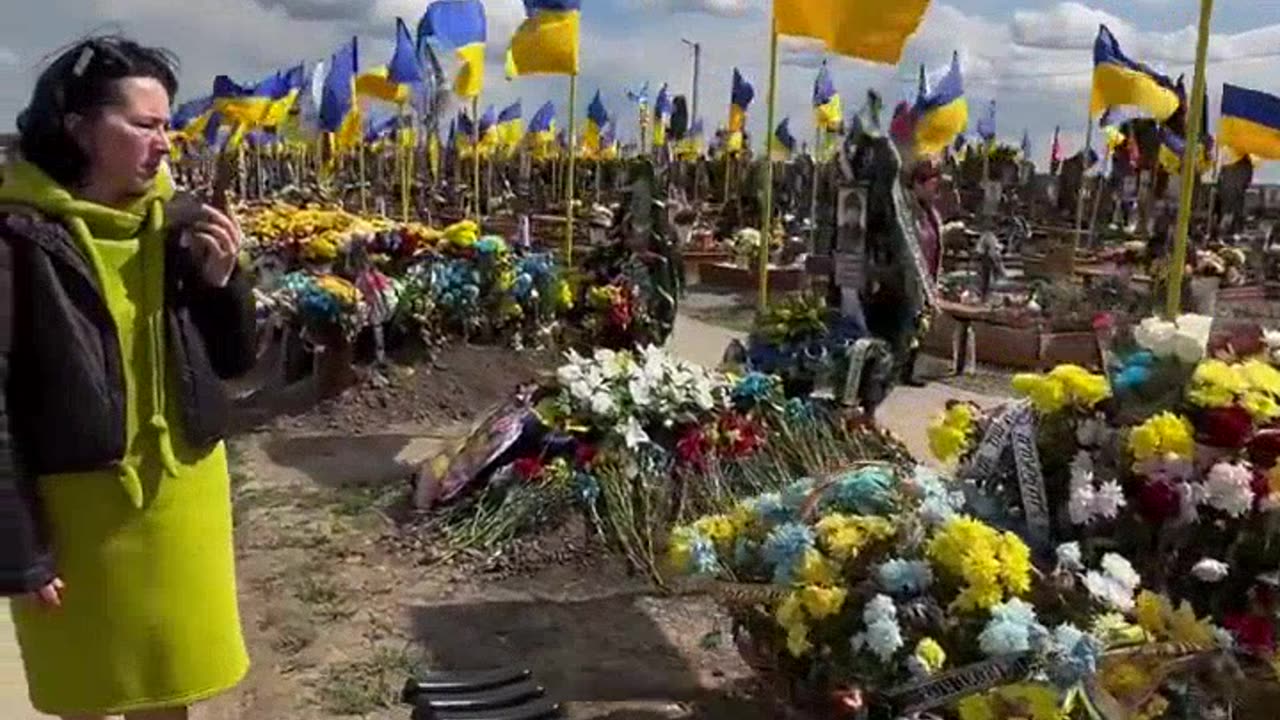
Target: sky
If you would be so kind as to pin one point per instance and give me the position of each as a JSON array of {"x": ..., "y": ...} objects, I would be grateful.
[{"x": 1033, "y": 58}]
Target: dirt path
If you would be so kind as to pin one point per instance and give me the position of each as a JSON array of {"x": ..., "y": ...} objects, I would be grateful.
[{"x": 337, "y": 619}]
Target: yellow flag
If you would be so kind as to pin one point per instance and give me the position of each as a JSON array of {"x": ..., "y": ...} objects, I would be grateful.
[{"x": 874, "y": 30}]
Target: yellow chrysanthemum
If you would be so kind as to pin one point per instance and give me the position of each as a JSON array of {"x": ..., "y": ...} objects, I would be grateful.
[
  {"x": 1216, "y": 384},
  {"x": 1124, "y": 678},
  {"x": 814, "y": 569},
  {"x": 950, "y": 434},
  {"x": 1085, "y": 389},
  {"x": 1047, "y": 395},
  {"x": 1162, "y": 435},
  {"x": 1152, "y": 612},
  {"x": 844, "y": 536},
  {"x": 719, "y": 529},
  {"x": 1261, "y": 406},
  {"x": 822, "y": 602},
  {"x": 930, "y": 655},
  {"x": 991, "y": 564},
  {"x": 1261, "y": 376},
  {"x": 976, "y": 707}
]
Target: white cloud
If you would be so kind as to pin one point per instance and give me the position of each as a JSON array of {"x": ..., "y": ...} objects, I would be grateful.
[
  {"x": 719, "y": 8},
  {"x": 8, "y": 56}
]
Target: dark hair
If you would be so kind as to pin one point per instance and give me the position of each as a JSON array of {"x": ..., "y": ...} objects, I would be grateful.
[{"x": 81, "y": 81}]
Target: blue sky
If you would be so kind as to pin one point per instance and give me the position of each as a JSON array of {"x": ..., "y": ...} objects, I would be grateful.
[{"x": 1033, "y": 57}]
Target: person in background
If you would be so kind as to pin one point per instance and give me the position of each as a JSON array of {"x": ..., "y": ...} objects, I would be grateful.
[
  {"x": 926, "y": 179},
  {"x": 122, "y": 309}
]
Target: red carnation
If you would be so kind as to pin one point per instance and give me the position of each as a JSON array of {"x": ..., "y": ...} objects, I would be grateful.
[
  {"x": 1228, "y": 427},
  {"x": 742, "y": 436},
  {"x": 584, "y": 455},
  {"x": 527, "y": 468},
  {"x": 1104, "y": 322},
  {"x": 1264, "y": 448},
  {"x": 1239, "y": 342},
  {"x": 1254, "y": 633},
  {"x": 1159, "y": 500},
  {"x": 692, "y": 448}
]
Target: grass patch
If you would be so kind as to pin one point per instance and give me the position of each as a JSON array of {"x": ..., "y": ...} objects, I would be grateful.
[{"x": 364, "y": 686}]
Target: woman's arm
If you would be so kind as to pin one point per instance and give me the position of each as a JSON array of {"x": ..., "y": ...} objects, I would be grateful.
[
  {"x": 26, "y": 563},
  {"x": 225, "y": 318}
]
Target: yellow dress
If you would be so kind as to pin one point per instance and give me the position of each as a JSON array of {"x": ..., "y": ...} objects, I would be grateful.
[{"x": 149, "y": 617}]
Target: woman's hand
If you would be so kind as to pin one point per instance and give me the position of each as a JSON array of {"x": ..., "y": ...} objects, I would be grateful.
[
  {"x": 49, "y": 597},
  {"x": 214, "y": 242}
]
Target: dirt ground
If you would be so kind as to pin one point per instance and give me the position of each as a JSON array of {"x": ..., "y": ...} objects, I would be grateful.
[{"x": 341, "y": 603}]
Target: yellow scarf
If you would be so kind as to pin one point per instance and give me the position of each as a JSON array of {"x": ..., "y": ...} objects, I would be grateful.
[{"x": 142, "y": 220}]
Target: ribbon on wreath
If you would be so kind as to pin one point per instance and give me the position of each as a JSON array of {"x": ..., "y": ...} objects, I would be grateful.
[{"x": 1012, "y": 431}]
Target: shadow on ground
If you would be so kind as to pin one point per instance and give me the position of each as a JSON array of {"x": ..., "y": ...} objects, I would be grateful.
[
  {"x": 592, "y": 654},
  {"x": 348, "y": 460}
]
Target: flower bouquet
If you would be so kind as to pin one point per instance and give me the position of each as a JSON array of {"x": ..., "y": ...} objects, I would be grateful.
[
  {"x": 801, "y": 341},
  {"x": 1170, "y": 462}
]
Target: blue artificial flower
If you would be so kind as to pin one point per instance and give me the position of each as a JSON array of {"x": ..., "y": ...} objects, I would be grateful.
[
  {"x": 1004, "y": 638},
  {"x": 863, "y": 492},
  {"x": 770, "y": 509},
  {"x": 884, "y": 638},
  {"x": 800, "y": 410},
  {"x": 587, "y": 487},
  {"x": 784, "y": 548},
  {"x": 904, "y": 577},
  {"x": 1073, "y": 655},
  {"x": 703, "y": 555},
  {"x": 490, "y": 245},
  {"x": 753, "y": 388},
  {"x": 939, "y": 503},
  {"x": 796, "y": 494}
]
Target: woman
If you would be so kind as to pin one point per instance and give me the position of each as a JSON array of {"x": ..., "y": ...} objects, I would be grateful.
[{"x": 121, "y": 307}]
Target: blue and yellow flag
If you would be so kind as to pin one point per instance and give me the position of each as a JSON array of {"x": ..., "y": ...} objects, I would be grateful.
[
  {"x": 661, "y": 113},
  {"x": 191, "y": 118},
  {"x": 1121, "y": 82},
  {"x": 987, "y": 123},
  {"x": 1250, "y": 122},
  {"x": 784, "y": 143},
  {"x": 459, "y": 24},
  {"x": 339, "y": 113},
  {"x": 943, "y": 113},
  {"x": 875, "y": 30},
  {"x": 740, "y": 97},
  {"x": 597, "y": 120},
  {"x": 511, "y": 126},
  {"x": 544, "y": 121},
  {"x": 284, "y": 96},
  {"x": 828, "y": 113},
  {"x": 546, "y": 43}
]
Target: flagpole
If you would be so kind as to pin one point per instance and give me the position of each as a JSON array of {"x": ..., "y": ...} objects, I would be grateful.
[
  {"x": 569, "y": 181},
  {"x": 405, "y": 155},
  {"x": 813, "y": 190},
  {"x": 475, "y": 151},
  {"x": 1177, "y": 263},
  {"x": 364, "y": 195},
  {"x": 1084, "y": 177},
  {"x": 766, "y": 235}
]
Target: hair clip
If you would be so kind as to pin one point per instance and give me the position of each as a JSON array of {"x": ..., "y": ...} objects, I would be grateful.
[{"x": 82, "y": 62}]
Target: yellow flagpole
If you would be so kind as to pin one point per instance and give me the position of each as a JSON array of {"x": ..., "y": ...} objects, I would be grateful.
[
  {"x": 404, "y": 154},
  {"x": 475, "y": 150},
  {"x": 573, "y": 129},
  {"x": 766, "y": 234},
  {"x": 364, "y": 195},
  {"x": 1190, "y": 166}
]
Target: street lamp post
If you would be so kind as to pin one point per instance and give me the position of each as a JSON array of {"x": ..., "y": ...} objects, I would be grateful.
[{"x": 697, "y": 62}]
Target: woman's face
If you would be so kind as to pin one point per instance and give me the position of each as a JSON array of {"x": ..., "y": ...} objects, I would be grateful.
[{"x": 126, "y": 141}]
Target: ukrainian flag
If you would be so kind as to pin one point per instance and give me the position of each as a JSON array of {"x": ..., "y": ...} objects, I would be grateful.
[
  {"x": 284, "y": 96},
  {"x": 597, "y": 120},
  {"x": 691, "y": 146},
  {"x": 547, "y": 41},
  {"x": 339, "y": 113},
  {"x": 459, "y": 24},
  {"x": 942, "y": 114},
  {"x": 826, "y": 101},
  {"x": 394, "y": 81},
  {"x": 1250, "y": 122},
  {"x": 542, "y": 130},
  {"x": 740, "y": 97},
  {"x": 784, "y": 143},
  {"x": 511, "y": 126},
  {"x": 1120, "y": 82},
  {"x": 609, "y": 142},
  {"x": 874, "y": 30},
  {"x": 190, "y": 118},
  {"x": 661, "y": 114}
]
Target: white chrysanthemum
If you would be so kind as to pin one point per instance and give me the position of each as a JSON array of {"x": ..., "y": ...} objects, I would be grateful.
[
  {"x": 1121, "y": 570},
  {"x": 1109, "y": 591},
  {"x": 1080, "y": 505},
  {"x": 1108, "y": 500},
  {"x": 1210, "y": 570},
  {"x": 880, "y": 607},
  {"x": 1070, "y": 557},
  {"x": 633, "y": 434},
  {"x": 1228, "y": 488}
]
